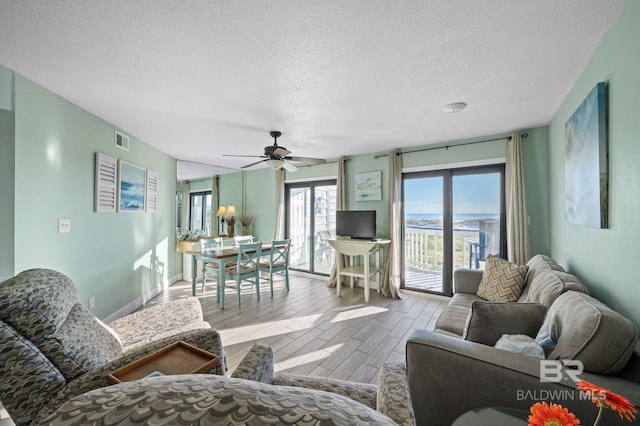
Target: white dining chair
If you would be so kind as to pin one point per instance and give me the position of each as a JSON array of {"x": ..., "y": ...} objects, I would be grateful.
[{"x": 277, "y": 261}]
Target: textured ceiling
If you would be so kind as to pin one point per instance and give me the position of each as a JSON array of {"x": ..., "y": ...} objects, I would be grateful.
[{"x": 202, "y": 78}]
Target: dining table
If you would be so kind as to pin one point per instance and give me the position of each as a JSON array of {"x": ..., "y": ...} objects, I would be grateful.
[{"x": 219, "y": 255}]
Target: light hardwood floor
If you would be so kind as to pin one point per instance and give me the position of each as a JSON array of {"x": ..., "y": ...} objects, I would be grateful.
[{"x": 311, "y": 330}]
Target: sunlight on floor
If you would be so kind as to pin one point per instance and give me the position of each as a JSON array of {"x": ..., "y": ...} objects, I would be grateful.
[
  {"x": 306, "y": 358},
  {"x": 357, "y": 313},
  {"x": 232, "y": 336}
]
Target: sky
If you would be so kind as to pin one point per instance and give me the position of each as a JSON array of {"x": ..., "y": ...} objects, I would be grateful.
[{"x": 479, "y": 193}]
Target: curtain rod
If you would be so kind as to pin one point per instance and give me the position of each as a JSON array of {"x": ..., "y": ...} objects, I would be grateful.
[{"x": 524, "y": 136}]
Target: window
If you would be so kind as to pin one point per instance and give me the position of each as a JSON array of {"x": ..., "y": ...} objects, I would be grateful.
[{"x": 200, "y": 212}]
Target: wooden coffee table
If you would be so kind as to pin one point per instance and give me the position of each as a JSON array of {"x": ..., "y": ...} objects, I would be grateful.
[{"x": 177, "y": 358}]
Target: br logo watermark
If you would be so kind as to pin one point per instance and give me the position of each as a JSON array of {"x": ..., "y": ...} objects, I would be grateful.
[{"x": 556, "y": 371}]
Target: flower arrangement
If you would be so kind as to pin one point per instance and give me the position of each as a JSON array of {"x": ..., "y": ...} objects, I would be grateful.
[
  {"x": 245, "y": 220},
  {"x": 543, "y": 414}
]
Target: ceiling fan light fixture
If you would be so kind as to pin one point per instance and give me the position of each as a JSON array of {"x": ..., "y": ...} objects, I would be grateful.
[
  {"x": 275, "y": 164},
  {"x": 455, "y": 107}
]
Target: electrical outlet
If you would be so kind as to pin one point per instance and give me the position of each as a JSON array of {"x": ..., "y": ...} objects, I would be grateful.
[
  {"x": 64, "y": 226},
  {"x": 92, "y": 302}
]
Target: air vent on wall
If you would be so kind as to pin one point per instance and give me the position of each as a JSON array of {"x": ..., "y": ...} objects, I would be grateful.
[{"x": 122, "y": 141}]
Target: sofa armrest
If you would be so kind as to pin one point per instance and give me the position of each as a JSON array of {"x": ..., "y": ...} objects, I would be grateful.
[
  {"x": 152, "y": 323},
  {"x": 209, "y": 340},
  {"x": 257, "y": 365},
  {"x": 466, "y": 280},
  {"x": 449, "y": 376},
  {"x": 393, "y": 398}
]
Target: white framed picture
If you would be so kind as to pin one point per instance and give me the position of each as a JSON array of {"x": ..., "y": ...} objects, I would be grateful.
[{"x": 369, "y": 186}]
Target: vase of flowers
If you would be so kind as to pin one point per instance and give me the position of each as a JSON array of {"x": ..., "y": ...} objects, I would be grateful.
[{"x": 246, "y": 221}]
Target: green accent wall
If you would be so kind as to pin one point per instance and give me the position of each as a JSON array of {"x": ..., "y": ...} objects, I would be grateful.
[
  {"x": 116, "y": 257},
  {"x": 7, "y": 178},
  {"x": 606, "y": 259}
]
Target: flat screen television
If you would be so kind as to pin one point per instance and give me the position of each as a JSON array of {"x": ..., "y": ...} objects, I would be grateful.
[{"x": 360, "y": 224}]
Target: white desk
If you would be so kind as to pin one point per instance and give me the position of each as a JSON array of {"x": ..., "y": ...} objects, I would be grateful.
[{"x": 353, "y": 248}]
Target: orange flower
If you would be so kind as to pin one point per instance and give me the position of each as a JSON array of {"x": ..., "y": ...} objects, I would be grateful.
[
  {"x": 618, "y": 403},
  {"x": 543, "y": 414}
]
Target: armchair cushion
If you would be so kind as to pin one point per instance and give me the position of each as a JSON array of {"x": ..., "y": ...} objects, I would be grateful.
[
  {"x": 488, "y": 321},
  {"x": 502, "y": 280},
  {"x": 257, "y": 365},
  {"x": 24, "y": 394},
  {"x": 36, "y": 302},
  {"x": 81, "y": 344}
]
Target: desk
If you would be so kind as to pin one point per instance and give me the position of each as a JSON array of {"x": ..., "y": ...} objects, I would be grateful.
[
  {"x": 362, "y": 248},
  {"x": 221, "y": 256}
]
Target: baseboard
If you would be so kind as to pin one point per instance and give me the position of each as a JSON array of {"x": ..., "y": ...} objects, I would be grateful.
[{"x": 134, "y": 305}]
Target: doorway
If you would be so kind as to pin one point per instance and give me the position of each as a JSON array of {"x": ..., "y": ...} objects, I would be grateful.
[
  {"x": 310, "y": 220},
  {"x": 452, "y": 219}
]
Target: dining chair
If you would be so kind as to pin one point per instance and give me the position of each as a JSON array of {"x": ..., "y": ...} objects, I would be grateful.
[
  {"x": 278, "y": 261},
  {"x": 243, "y": 239},
  {"x": 207, "y": 244},
  {"x": 245, "y": 268}
]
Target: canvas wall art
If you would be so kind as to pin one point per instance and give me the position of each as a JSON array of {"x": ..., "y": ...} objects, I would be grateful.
[
  {"x": 131, "y": 181},
  {"x": 586, "y": 169},
  {"x": 369, "y": 186}
]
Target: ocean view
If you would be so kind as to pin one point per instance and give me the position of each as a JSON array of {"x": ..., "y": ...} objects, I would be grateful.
[{"x": 460, "y": 221}]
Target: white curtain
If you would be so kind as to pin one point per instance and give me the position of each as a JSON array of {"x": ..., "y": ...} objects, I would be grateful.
[
  {"x": 341, "y": 204},
  {"x": 215, "y": 204},
  {"x": 392, "y": 278},
  {"x": 516, "y": 203},
  {"x": 278, "y": 232}
]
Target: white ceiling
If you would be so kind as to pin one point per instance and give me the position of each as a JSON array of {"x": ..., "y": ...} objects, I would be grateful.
[{"x": 202, "y": 78}]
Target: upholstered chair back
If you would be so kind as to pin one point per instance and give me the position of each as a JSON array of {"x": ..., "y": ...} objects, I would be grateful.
[{"x": 46, "y": 339}]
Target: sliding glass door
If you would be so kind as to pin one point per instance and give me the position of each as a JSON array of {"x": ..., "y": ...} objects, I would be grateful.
[
  {"x": 310, "y": 222},
  {"x": 452, "y": 219}
]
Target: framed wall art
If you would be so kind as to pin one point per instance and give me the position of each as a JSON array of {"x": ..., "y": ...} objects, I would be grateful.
[
  {"x": 131, "y": 186},
  {"x": 586, "y": 168},
  {"x": 369, "y": 186}
]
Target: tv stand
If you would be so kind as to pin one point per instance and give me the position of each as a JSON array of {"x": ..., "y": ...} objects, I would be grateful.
[{"x": 352, "y": 248}]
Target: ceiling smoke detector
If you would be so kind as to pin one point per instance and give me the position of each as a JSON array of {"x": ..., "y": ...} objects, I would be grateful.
[{"x": 455, "y": 107}]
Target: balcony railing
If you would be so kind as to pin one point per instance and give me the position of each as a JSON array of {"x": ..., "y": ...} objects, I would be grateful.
[{"x": 424, "y": 248}]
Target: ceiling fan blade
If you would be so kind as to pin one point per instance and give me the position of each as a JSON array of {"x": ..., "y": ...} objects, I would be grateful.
[
  {"x": 253, "y": 164},
  {"x": 306, "y": 160},
  {"x": 288, "y": 166},
  {"x": 281, "y": 152},
  {"x": 252, "y": 156}
]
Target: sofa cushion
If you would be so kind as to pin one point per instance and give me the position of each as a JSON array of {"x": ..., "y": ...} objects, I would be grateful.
[
  {"x": 36, "y": 302},
  {"x": 502, "y": 280},
  {"x": 454, "y": 316},
  {"x": 589, "y": 331},
  {"x": 537, "y": 264},
  {"x": 547, "y": 285},
  {"x": 488, "y": 321}
]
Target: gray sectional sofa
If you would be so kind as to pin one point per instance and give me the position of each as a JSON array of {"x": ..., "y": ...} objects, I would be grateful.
[{"x": 456, "y": 369}]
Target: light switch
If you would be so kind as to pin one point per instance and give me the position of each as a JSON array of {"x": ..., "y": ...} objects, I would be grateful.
[{"x": 64, "y": 226}]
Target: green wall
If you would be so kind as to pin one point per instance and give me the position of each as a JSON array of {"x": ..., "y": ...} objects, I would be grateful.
[
  {"x": 116, "y": 257},
  {"x": 7, "y": 179},
  {"x": 605, "y": 259}
]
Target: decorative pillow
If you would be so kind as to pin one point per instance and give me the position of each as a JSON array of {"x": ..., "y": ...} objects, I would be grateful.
[
  {"x": 520, "y": 344},
  {"x": 502, "y": 281},
  {"x": 589, "y": 331},
  {"x": 488, "y": 321}
]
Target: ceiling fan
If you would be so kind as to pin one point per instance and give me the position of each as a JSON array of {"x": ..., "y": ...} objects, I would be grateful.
[{"x": 277, "y": 157}]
